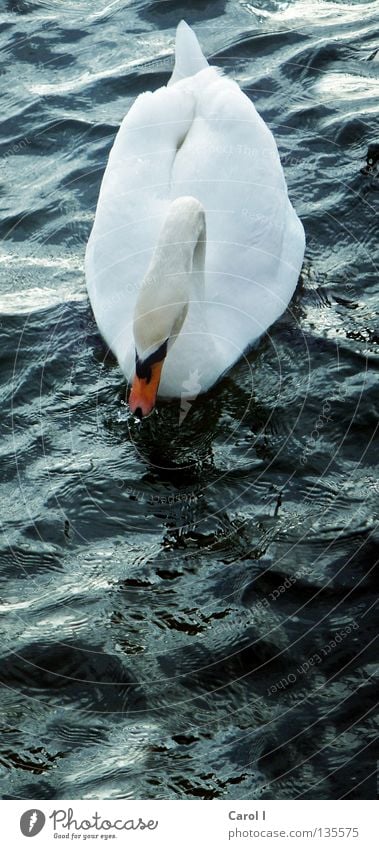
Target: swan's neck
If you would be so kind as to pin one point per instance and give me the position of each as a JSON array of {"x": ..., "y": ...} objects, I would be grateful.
[
  {"x": 179, "y": 257},
  {"x": 173, "y": 287}
]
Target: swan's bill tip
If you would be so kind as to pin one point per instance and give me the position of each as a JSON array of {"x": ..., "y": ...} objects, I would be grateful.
[{"x": 144, "y": 390}]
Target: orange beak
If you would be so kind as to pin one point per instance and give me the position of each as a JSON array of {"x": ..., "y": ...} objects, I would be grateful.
[{"x": 143, "y": 393}]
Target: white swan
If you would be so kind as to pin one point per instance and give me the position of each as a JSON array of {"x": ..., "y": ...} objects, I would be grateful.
[{"x": 196, "y": 249}]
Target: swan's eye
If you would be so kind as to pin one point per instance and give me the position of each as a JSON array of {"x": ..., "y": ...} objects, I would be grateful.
[{"x": 143, "y": 367}]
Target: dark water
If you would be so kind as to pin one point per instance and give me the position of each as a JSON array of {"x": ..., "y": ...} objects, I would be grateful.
[{"x": 189, "y": 612}]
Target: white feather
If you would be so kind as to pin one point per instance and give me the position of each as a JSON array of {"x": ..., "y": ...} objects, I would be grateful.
[{"x": 200, "y": 137}]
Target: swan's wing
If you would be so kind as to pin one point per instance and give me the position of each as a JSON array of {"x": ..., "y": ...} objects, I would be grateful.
[
  {"x": 133, "y": 202},
  {"x": 255, "y": 242}
]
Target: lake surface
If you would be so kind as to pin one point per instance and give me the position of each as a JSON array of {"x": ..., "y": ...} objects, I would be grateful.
[{"x": 188, "y": 609}]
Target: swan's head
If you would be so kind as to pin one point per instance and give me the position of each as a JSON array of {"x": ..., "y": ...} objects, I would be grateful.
[
  {"x": 176, "y": 271},
  {"x": 155, "y": 332}
]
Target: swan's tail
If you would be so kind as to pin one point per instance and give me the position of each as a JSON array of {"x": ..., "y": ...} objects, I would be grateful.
[{"x": 188, "y": 56}]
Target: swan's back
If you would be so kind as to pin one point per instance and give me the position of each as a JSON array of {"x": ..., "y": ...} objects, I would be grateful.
[{"x": 199, "y": 136}]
